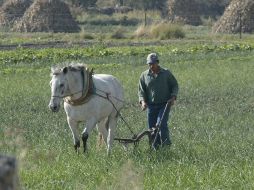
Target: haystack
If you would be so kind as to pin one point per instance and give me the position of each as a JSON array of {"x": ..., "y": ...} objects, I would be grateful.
[
  {"x": 184, "y": 11},
  {"x": 239, "y": 14},
  {"x": 47, "y": 16},
  {"x": 12, "y": 10}
]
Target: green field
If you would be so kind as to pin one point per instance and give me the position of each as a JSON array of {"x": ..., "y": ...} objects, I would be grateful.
[{"x": 211, "y": 124}]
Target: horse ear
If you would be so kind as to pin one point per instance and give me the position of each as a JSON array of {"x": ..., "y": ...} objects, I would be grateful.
[
  {"x": 65, "y": 70},
  {"x": 52, "y": 69}
]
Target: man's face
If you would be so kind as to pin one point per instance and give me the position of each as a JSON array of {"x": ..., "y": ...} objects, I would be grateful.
[{"x": 153, "y": 67}]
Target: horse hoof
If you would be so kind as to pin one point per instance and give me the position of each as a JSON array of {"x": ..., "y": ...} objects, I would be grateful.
[
  {"x": 84, "y": 138},
  {"x": 85, "y": 148},
  {"x": 77, "y": 146}
]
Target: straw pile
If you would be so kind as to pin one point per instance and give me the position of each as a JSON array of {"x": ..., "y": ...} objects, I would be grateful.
[
  {"x": 184, "y": 11},
  {"x": 230, "y": 21},
  {"x": 12, "y": 10},
  {"x": 47, "y": 16}
]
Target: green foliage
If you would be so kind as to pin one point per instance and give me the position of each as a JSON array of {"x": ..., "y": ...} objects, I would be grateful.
[
  {"x": 84, "y": 3},
  {"x": 124, "y": 21},
  {"x": 147, "y": 4},
  {"x": 55, "y": 55}
]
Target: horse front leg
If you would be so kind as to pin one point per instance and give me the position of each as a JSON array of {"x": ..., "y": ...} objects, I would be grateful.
[
  {"x": 73, "y": 126},
  {"x": 90, "y": 124}
]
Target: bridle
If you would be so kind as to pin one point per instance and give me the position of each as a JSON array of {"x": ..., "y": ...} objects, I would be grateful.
[
  {"x": 95, "y": 90},
  {"x": 72, "y": 94},
  {"x": 64, "y": 96}
]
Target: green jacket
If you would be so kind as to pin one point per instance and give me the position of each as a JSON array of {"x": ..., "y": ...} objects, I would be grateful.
[{"x": 157, "y": 89}]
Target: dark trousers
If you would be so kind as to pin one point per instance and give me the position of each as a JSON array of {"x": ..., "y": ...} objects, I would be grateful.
[{"x": 154, "y": 115}]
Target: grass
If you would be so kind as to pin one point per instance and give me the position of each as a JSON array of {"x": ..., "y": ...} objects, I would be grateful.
[{"x": 211, "y": 124}]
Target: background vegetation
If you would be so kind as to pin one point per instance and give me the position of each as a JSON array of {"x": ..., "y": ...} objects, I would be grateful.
[{"x": 107, "y": 25}]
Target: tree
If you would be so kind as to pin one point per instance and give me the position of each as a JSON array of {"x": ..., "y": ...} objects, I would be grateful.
[
  {"x": 212, "y": 8},
  {"x": 84, "y": 3},
  {"x": 146, "y": 4},
  {"x": 1, "y": 2},
  {"x": 120, "y": 2}
]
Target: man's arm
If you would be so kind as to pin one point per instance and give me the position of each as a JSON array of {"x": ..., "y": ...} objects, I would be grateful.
[
  {"x": 175, "y": 89},
  {"x": 142, "y": 93}
]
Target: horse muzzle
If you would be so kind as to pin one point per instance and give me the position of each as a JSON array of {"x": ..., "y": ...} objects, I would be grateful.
[{"x": 54, "y": 107}]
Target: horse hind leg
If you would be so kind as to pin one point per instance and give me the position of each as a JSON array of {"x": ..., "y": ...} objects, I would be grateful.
[
  {"x": 84, "y": 139},
  {"x": 111, "y": 133},
  {"x": 103, "y": 131}
]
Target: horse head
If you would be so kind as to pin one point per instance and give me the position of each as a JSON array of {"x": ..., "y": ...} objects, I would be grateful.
[{"x": 59, "y": 87}]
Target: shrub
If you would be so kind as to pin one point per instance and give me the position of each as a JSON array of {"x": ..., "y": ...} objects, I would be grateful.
[
  {"x": 160, "y": 31},
  {"x": 141, "y": 31},
  {"x": 124, "y": 21},
  {"x": 118, "y": 34},
  {"x": 84, "y": 35},
  {"x": 165, "y": 31},
  {"x": 208, "y": 21}
]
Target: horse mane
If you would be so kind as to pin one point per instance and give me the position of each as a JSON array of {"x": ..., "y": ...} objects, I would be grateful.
[{"x": 72, "y": 67}]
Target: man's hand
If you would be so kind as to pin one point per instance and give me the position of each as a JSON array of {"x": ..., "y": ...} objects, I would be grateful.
[
  {"x": 143, "y": 105},
  {"x": 172, "y": 100}
]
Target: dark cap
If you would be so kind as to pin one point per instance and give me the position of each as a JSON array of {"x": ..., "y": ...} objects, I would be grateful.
[{"x": 152, "y": 58}]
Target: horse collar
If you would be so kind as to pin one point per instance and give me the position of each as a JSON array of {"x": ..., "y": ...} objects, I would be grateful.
[{"x": 87, "y": 88}]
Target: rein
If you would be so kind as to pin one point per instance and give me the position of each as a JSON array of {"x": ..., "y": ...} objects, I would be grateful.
[{"x": 118, "y": 112}]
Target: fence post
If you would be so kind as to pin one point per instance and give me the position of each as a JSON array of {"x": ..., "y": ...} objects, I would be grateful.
[
  {"x": 145, "y": 18},
  {"x": 240, "y": 25}
]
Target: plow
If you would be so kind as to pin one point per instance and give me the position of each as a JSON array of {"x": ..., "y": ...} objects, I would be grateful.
[
  {"x": 136, "y": 138},
  {"x": 152, "y": 133}
]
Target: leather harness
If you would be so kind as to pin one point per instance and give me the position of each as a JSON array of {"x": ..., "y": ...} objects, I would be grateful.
[{"x": 87, "y": 91}]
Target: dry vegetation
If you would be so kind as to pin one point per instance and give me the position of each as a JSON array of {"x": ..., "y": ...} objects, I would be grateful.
[
  {"x": 13, "y": 10},
  {"x": 230, "y": 21},
  {"x": 161, "y": 31},
  {"x": 54, "y": 16},
  {"x": 47, "y": 16}
]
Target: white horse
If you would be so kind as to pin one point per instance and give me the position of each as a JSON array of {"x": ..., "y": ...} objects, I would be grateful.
[{"x": 93, "y": 99}]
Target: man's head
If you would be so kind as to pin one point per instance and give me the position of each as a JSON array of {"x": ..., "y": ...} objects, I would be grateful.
[{"x": 152, "y": 58}]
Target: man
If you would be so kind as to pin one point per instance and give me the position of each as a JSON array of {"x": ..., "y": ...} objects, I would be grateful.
[{"x": 157, "y": 88}]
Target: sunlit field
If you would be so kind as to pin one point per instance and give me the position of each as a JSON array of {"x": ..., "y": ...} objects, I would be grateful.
[{"x": 211, "y": 124}]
